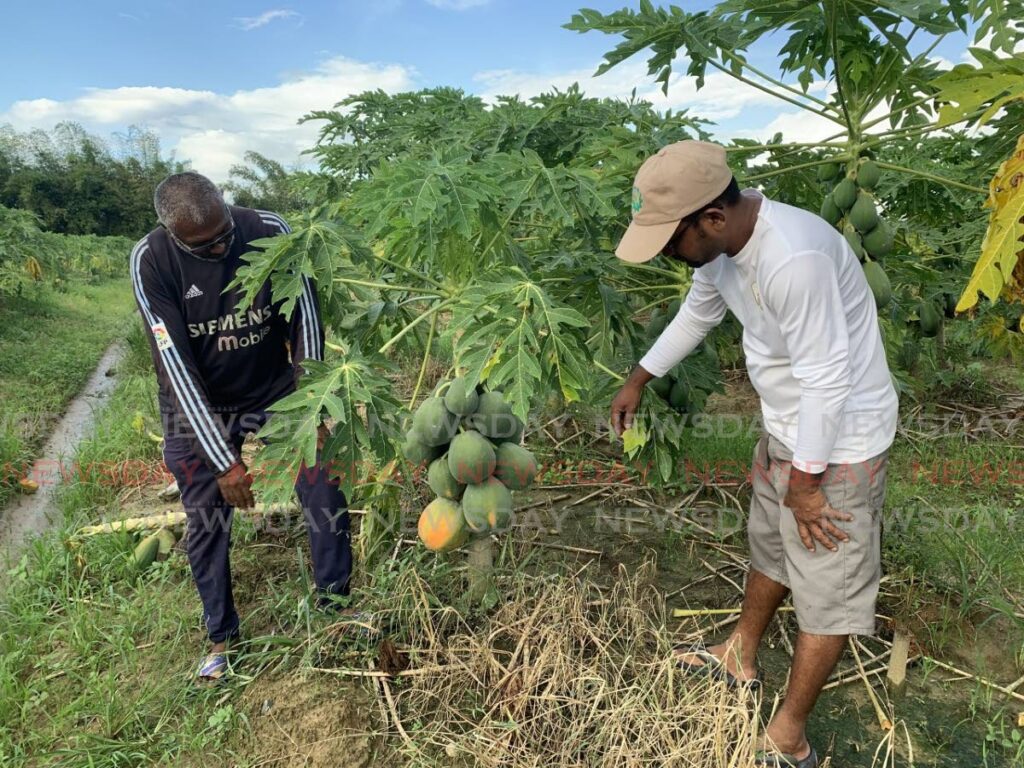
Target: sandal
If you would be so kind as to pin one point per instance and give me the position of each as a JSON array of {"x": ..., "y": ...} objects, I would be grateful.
[
  {"x": 782, "y": 760},
  {"x": 713, "y": 667},
  {"x": 212, "y": 667}
]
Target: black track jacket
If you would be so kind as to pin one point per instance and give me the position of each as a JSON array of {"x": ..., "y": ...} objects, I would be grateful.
[{"x": 215, "y": 362}]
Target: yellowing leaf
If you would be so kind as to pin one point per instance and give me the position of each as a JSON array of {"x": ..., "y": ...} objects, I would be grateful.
[
  {"x": 633, "y": 439},
  {"x": 965, "y": 89},
  {"x": 1002, "y": 248}
]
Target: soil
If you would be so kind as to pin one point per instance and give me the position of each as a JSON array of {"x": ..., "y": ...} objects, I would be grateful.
[{"x": 308, "y": 721}]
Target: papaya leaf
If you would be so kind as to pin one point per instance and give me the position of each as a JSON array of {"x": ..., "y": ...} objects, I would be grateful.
[
  {"x": 355, "y": 395},
  {"x": 965, "y": 89},
  {"x": 996, "y": 272}
]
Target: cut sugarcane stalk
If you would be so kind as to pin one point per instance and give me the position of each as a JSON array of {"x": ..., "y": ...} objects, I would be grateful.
[{"x": 681, "y": 613}]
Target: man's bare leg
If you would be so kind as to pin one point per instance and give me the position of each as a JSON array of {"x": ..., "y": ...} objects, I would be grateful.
[
  {"x": 761, "y": 598},
  {"x": 814, "y": 659}
]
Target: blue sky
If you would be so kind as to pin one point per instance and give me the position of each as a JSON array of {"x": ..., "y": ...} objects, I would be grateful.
[{"x": 217, "y": 78}]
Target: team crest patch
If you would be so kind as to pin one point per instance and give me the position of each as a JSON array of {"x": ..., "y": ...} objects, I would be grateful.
[
  {"x": 161, "y": 336},
  {"x": 638, "y": 201}
]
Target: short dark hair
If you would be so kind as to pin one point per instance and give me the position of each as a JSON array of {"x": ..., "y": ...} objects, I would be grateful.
[
  {"x": 729, "y": 197},
  {"x": 185, "y": 198}
]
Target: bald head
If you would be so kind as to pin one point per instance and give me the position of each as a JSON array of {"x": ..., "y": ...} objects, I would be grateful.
[{"x": 188, "y": 202}]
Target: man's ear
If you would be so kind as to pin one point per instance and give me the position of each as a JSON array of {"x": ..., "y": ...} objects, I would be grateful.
[{"x": 715, "y": 218}]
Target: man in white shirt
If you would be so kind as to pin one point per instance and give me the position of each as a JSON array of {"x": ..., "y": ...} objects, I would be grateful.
[{"x": 814, "y": 354}]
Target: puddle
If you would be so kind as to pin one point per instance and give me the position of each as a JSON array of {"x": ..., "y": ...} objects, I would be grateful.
[{"x": 27, "y": 517}]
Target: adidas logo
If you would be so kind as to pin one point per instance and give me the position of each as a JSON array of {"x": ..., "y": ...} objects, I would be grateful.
[{"x": 193, "y": 292}]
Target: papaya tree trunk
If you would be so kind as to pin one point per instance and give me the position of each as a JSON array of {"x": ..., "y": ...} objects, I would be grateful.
[{"x": 481, "y": 567}]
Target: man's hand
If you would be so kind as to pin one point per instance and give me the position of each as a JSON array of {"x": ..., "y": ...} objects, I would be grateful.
[
  {"x": 624, "y": 406},
  {"x": 627, "y": 400},
  {"x": 814, "y": 516},
  {"x": 322, "y": 433},
  {"x": 235, "y": 486}
]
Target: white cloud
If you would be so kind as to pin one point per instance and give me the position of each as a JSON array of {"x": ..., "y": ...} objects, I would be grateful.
[
  {"x": 721, "y": 98},
  {"x": 212, "y": 129},
  {"x": 255, "y": 22},
  {"x": 457, "y": 5}
]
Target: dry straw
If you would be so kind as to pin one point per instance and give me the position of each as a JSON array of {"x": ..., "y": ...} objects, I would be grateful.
[{"x": 563, "y": 673}]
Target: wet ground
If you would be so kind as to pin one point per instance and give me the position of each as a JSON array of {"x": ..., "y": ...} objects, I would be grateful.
[{"x": 29, "y": 515}]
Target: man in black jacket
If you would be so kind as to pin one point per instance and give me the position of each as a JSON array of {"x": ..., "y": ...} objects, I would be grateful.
[{"x": 219, "y": 367}]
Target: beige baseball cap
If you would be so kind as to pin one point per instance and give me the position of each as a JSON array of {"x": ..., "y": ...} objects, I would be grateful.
[{"x": 680, "y": 179}]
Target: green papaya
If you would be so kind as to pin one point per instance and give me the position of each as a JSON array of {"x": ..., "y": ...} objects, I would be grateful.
[
  {"x": 165, "y": 543},
  {"x": 830, "y": 211},
  {"x": 487, "y": 506},
  {"x": 673, "y": 310},
  {"x": 515, "y": 436},
  {"x": 929, "y": 319},
  {"x": 433, "y": 423},
  {"x": 493, "y": 417},
  {"x": 441, "y": 482},
  {"x": 460, "y": 400},
  {"x": 879, "y": 241},
  {"x": 146, "y": 551},
  {"x": 661, "y": 386},
  {"x": 679, "y": 397},
  {"x": 868, "y": 175},
  {"x": 879, "y": 283},
  {"x": 516, "y": 467},
  {"x": 417, "y": 452},
  {"x": 829, "y": 171},
  {"x": 844, "y": 195},
  {"x": 863, "y": 214},
  {"x": 471, "y": 457},
  {"x": 854, "y": 239}
]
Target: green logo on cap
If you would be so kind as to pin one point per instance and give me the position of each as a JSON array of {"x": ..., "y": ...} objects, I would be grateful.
[{"x": 638, "y": 200}]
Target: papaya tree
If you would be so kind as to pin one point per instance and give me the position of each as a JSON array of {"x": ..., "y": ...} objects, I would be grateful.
[{"x": 908, "y": 211}]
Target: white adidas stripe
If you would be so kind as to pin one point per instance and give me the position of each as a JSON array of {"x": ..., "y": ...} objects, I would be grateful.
[{"x": 212, "y": 441}]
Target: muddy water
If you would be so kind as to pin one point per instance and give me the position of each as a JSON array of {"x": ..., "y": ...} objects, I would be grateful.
[{"x": 29, "y": 516}]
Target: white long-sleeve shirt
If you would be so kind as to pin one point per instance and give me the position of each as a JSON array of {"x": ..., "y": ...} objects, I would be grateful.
[{"x": 813, "y": 347}]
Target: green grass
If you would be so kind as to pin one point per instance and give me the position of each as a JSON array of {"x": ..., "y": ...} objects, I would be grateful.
[{"x": 50, "y": 343}]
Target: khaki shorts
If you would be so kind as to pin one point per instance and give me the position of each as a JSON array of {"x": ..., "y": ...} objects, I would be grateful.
[{"x": 833, "y": 593}]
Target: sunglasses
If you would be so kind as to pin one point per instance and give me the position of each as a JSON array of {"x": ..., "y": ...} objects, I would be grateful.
[{"x": 203, "y": 251}]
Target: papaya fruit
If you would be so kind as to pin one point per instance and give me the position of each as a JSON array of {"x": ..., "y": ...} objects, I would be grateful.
[
  {"x": 417, "y": 452},
  {"x": 854, "y": 239},
  {"x": 673, "y": 310},
  {"x": 460, "y": 400},
  {"x": 442, "y": 526},
  {"x": 829, "y": 171},
  {"x": 868, "y": 175},
  {"x": 514, "y": 437},
  {"x": 146, "y": 552},
  {"x": 863, "y": 214},
  {"x": 656, "y": 324},
  {"x": 516, "y": 467},
  {"x": 434, "y": 424},
  {"x": 487, "y": 506},
  {"x": 165, "y": 543},
  {"x": 661, "y": 386},
  {"x": 441, "y": 481},
  {"x": 879, "y": 241},
  {"x": 493, "y": 417},
  {"x": 679, "y": 397},
  {"x": 879, "y": 283},
  {"x": 471, "y": 457},
  {"x": 929, "y": 319},
  {"x": 844, "y": 194},
  {"x": 830, "y": 211}
]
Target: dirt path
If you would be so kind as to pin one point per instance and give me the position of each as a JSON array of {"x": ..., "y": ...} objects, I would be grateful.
[{"x": 29, "y": 516}]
